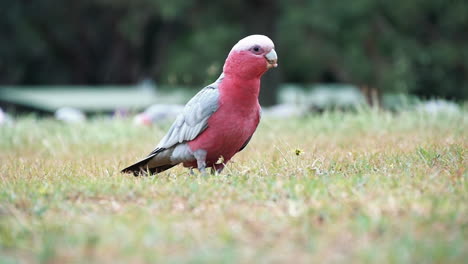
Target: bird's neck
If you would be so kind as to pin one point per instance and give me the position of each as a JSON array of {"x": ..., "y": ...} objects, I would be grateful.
[{"x": 245, "y": 90}]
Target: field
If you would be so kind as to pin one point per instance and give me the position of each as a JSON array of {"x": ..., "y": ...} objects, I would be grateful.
[{"x": 363, "y": 187}]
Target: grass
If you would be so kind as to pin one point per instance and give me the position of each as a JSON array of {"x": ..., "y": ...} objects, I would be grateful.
[{"x": 365, "y": 187}]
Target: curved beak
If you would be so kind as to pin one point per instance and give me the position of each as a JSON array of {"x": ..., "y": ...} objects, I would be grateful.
[{"x": 272, "y": 59}]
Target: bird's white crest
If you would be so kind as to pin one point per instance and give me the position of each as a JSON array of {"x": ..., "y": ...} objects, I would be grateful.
[{"x": 247, "y": 42}]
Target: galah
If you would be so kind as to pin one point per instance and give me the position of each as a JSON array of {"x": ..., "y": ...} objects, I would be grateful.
[{"x": 218, "y": 121}]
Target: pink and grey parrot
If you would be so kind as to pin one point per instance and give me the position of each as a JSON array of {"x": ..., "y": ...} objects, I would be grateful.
[{"x": 218, "y": 121}]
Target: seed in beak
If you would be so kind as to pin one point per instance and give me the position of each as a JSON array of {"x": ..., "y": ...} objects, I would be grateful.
[{"x": 272, "y": 64}]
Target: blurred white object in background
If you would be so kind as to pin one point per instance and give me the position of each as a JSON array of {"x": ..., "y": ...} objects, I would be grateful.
[
  {"x": 283, "y": 111},
  {"x": 343, "y": 96},
  {"x": 158, "y": 113},
  {"x": 5, "y": 119},
  {"x": 70, "y": 115},
  {"x": 322, "y": 96},
  {"x": 438, "y": 106}
]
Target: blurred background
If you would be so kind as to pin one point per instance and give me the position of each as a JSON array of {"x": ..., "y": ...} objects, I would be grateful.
[{"x": 96, "y": 55}]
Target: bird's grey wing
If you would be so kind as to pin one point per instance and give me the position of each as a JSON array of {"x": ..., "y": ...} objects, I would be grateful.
[{"x": 194, "y": 118}]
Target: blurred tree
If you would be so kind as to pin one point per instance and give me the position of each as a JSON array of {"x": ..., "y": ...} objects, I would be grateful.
[
  {"x": 400, "y": 46},
  {"x": 414, "y": 46}
]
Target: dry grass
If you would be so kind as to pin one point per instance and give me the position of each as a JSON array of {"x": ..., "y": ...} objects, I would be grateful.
[{"x": 366, "y": 187}]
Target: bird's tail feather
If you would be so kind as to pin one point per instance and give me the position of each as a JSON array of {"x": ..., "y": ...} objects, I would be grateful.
[{"x": 141, "y": 167}]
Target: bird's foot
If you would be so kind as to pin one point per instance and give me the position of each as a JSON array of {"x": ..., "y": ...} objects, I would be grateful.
[
  {"x": 203, "y": 171},
  {"x": 200, "y": 156}
]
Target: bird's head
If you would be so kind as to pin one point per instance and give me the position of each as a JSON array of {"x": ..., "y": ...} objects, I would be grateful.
[{"x": 251, "y": 57}]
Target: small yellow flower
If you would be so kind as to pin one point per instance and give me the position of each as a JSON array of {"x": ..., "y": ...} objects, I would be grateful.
[{"x": 298, "y": 152}]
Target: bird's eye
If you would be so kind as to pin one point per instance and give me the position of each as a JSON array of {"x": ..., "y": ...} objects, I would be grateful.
[{"x": 256, "y": 49}]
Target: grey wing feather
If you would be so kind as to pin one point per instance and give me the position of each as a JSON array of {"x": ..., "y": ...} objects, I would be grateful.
[{"x": 194, "y": 118}]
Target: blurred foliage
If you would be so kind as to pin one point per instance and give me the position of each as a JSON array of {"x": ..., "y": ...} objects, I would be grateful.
[{"x": 416, "y": 46}]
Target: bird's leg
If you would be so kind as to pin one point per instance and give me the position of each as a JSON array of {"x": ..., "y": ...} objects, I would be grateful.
[{"x": 200, "y": 156}]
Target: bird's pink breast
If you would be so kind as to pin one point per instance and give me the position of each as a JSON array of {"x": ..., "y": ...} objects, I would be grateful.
[{"x": 232, "y": 124}]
